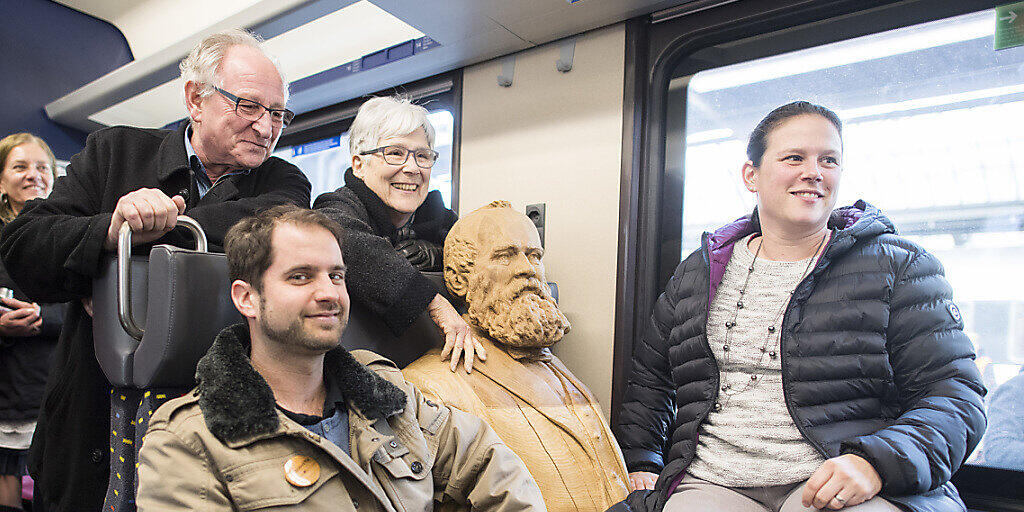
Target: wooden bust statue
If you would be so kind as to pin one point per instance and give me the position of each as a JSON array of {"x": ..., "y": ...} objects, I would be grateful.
[{"x": 494, "y": 262}]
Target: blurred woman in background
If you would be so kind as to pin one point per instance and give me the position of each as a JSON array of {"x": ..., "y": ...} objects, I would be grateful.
[{"x": 28, "y": 332}]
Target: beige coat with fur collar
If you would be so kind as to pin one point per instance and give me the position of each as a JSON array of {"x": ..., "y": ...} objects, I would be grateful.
[{"x": 406, "y": 452}]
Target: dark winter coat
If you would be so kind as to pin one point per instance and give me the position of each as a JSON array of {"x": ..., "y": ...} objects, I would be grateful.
[
  {"x": 377, "y": 275},
  {"x": 874, "y": 363},
  {"x": 25, "y": 360},
  {"x": 53, "y": 251}
]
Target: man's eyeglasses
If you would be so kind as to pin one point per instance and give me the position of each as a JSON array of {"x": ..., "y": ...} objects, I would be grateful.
[
  {"x": 252, "y": 111},
  {"x": 397, "y": 155}
]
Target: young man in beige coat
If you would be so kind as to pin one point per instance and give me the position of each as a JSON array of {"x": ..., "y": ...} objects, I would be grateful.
[{"x": 283, "y": 417}]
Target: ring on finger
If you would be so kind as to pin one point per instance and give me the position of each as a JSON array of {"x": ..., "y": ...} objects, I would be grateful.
[{"x": 840, "y": 500}]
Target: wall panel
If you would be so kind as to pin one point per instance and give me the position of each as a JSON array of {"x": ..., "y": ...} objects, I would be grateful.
[
  {"x": 555, "y": 138},
  {"x": 48, "y": 51}
]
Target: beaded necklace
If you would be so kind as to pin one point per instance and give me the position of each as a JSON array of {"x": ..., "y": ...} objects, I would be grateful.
[{"x": 728, "y": 389}]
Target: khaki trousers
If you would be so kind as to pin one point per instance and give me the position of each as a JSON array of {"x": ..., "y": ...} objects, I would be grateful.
[{"x": 696, "y": 495}]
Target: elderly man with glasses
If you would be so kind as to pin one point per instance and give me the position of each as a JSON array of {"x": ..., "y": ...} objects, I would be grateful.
[
  {"x": 394, "y": 226},
  {"x": 216, "y": 169}
]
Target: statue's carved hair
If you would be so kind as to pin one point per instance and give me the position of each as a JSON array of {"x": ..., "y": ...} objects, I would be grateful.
[{"x": 460, "y": 251}]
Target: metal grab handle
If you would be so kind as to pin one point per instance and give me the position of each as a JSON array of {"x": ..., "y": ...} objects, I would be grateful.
[{"x": 124, "y": 257}]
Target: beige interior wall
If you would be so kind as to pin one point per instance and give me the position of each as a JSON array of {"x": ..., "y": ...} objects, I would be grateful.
[{"x": 556, "y": 138}]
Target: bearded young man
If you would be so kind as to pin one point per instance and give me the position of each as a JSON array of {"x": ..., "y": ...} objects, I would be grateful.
[
  {"x": 493, "y": 261},
  {"x": 285, "y": 418}
]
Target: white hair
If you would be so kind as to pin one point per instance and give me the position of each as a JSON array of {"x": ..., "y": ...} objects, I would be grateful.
[
  {"x": 202, "y": 65},
  {"x": 387, "y": 116}
]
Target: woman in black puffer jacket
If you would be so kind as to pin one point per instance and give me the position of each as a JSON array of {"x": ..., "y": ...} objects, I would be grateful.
[{"x": 803, "y": 357}]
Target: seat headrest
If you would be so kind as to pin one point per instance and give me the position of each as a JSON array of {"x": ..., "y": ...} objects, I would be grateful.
[{"x": 181, "y": 298}]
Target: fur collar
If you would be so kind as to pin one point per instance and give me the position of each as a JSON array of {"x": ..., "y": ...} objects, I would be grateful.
[{"x": 238, "y": 404}]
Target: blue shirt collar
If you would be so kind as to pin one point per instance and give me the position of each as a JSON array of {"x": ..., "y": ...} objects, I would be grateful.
[{"x": 198, "y": 169}]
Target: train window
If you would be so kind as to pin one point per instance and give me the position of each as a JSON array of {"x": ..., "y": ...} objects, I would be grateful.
[
  {"x": 324, "y": 161},
  {"x": 931, "y": 137}
]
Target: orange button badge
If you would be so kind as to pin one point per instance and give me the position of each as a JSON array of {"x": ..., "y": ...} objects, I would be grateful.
[{"x": 301, "y": 471}]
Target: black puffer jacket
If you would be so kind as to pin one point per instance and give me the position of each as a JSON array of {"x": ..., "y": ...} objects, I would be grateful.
[{"x": 874, "y": 362}]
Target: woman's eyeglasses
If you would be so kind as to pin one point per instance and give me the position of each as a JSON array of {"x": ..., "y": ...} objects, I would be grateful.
[{"x": 397, "y": 155}]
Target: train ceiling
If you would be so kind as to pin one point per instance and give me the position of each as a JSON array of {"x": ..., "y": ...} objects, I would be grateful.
[{"x": 330, "y": 50}]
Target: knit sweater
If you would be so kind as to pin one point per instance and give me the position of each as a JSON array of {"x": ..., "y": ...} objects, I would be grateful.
[{"x": 751, "y": 440}]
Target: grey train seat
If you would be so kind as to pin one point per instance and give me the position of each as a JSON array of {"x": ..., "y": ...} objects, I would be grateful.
[
  {"x": 367, "y": 331},
  {"x": 153, "y": 318}
]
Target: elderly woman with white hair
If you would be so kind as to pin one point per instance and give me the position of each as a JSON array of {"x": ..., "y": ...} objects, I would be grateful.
[{"x": 395, "y": 226}]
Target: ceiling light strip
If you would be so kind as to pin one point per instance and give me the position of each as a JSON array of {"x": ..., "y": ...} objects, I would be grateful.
[
  {"x": 861, "y": 49},
  {"x": 161, "y": 104},
  {"x": 386, "y": 56}
]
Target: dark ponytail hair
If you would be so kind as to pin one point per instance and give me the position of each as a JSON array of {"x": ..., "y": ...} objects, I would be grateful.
[{"x": 759, "y": 137}]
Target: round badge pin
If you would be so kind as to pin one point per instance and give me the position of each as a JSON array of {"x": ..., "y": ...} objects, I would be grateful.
[{"x": 301, "y": 471}]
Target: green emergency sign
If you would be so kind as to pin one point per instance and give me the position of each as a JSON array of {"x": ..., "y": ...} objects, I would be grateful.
[{"x": 1009, "y": 26}]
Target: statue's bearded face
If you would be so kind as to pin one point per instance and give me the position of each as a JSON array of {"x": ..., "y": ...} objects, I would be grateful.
[{"x": 506, "y": 290}]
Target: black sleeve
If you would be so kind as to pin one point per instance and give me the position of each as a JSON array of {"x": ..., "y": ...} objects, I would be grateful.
[
  {"x": 648, "y": 407},
  {"x": 377, "y": 275},
  {"x": 940, "y": 389},
  {"x": 53, "y": 319},
  {"x": 52, "y": 249},
  {"x": 281, "y": 183}
]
